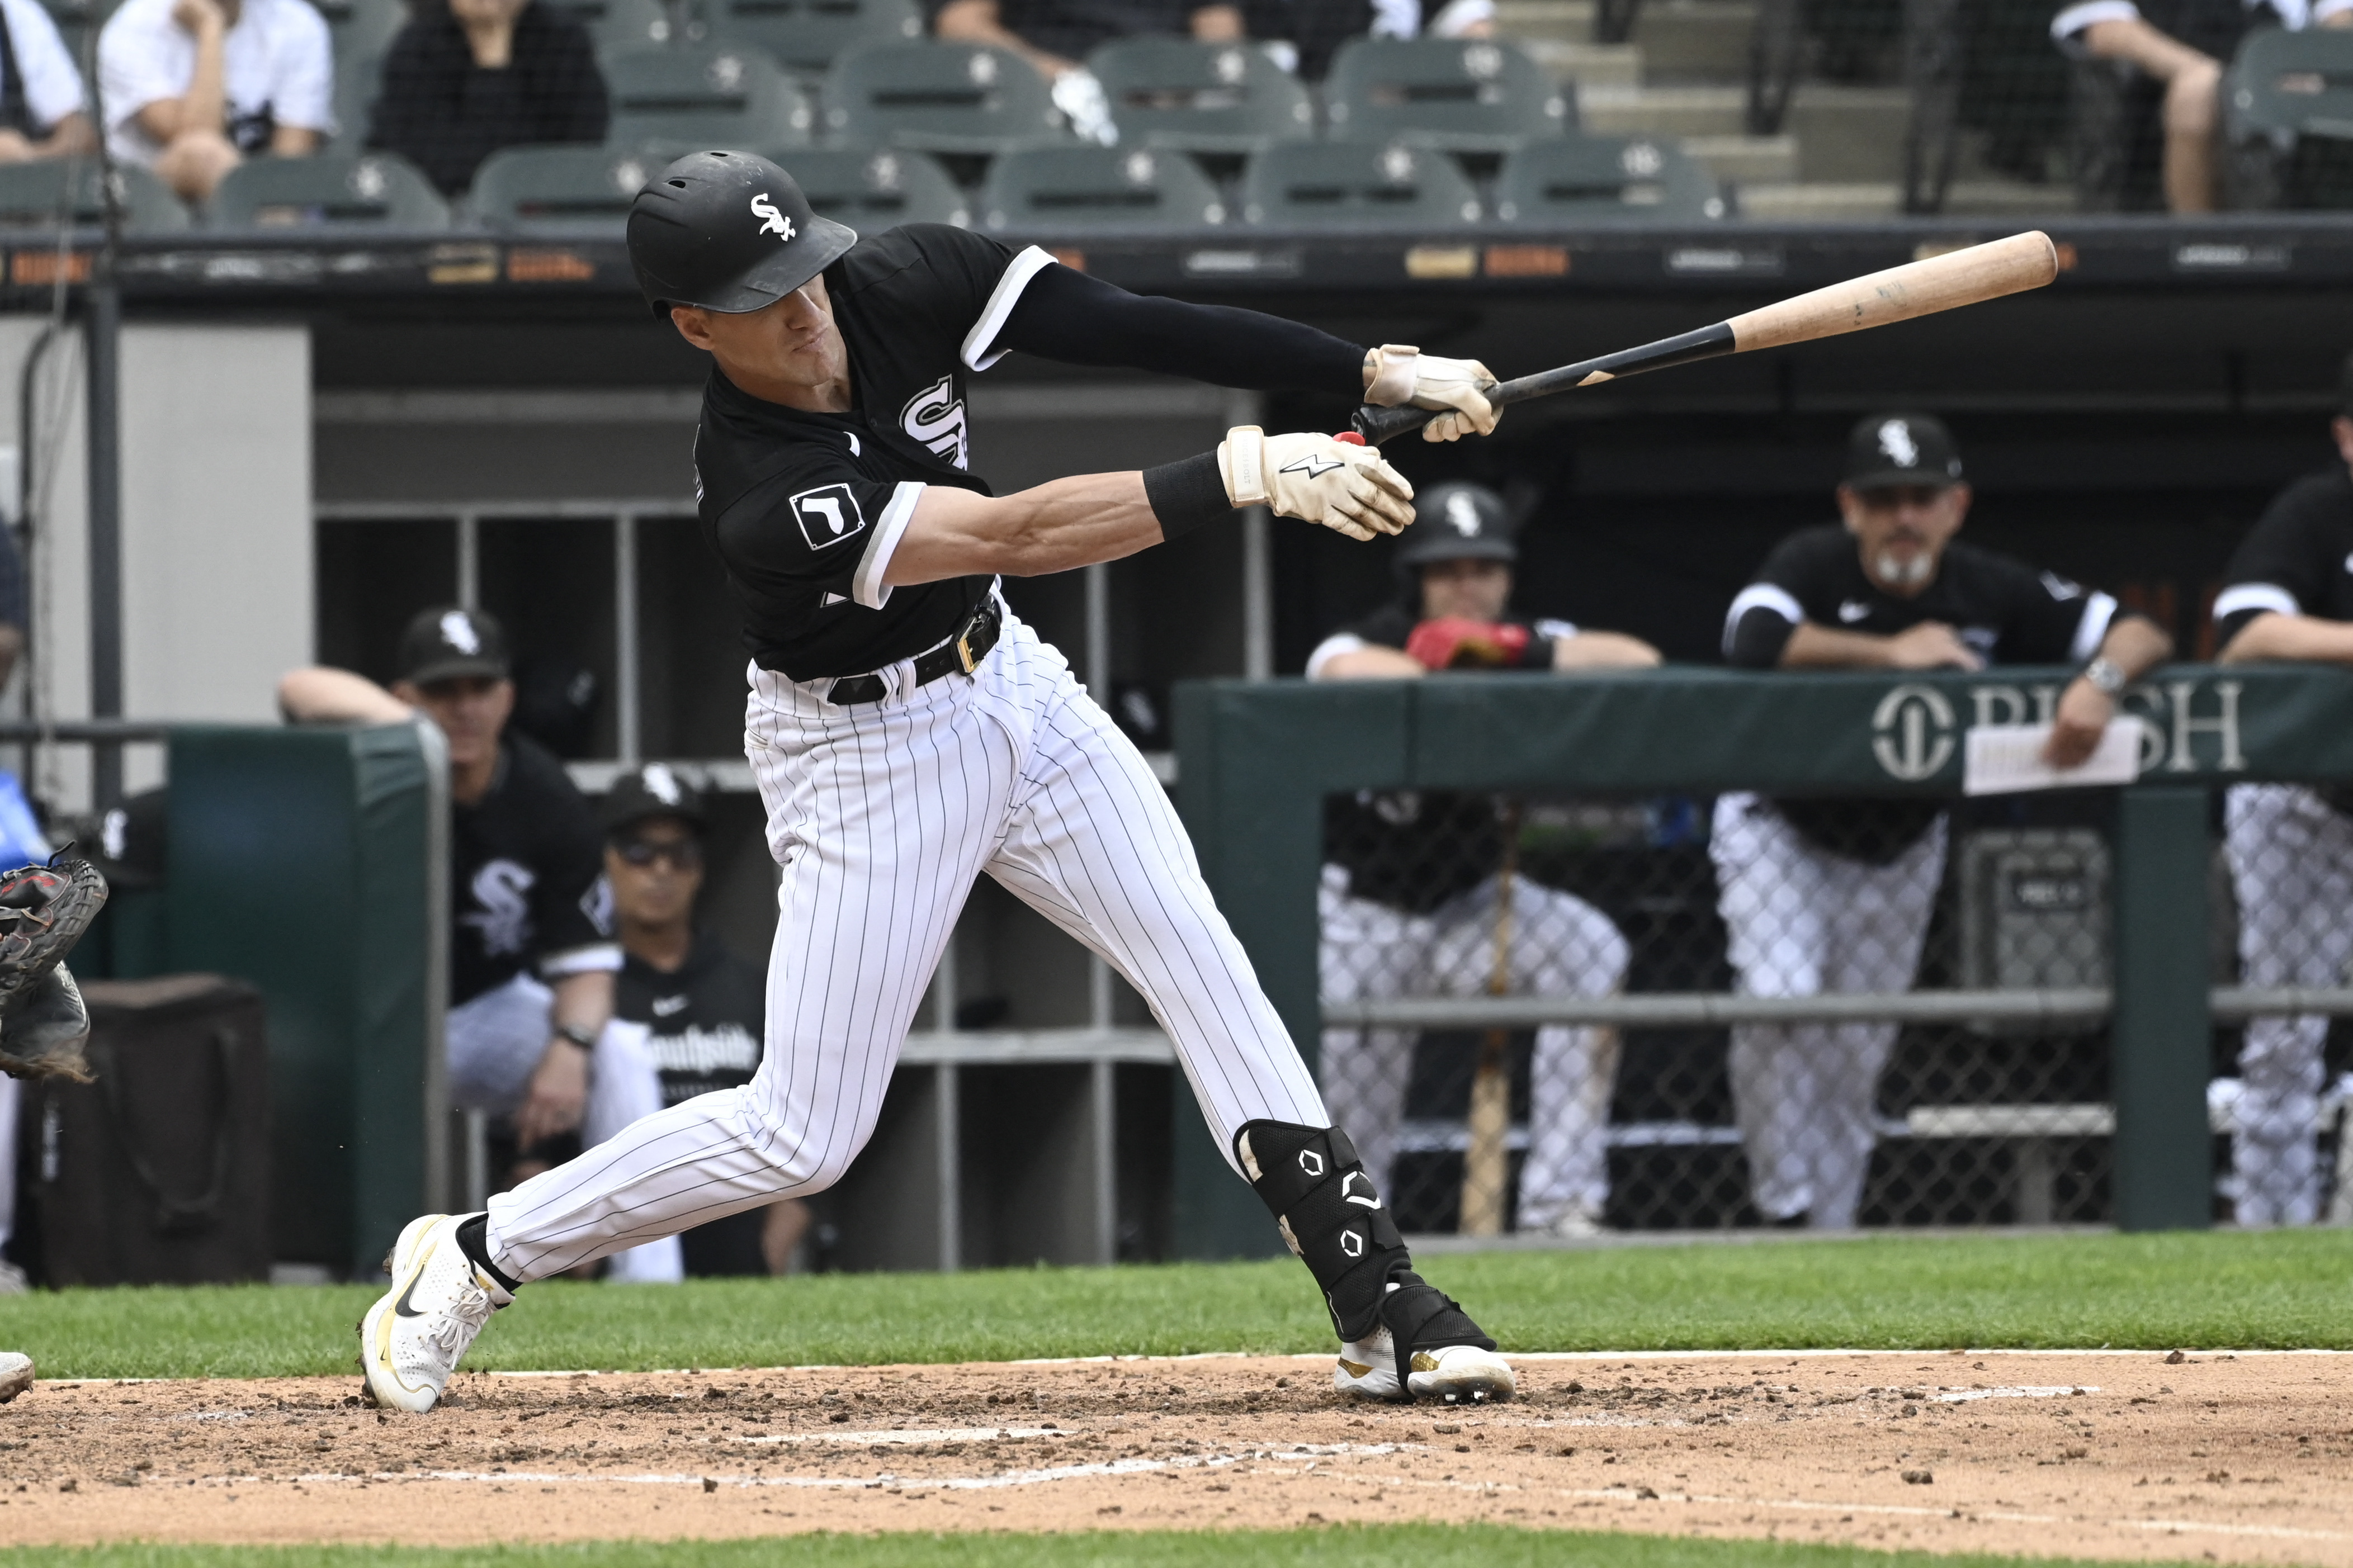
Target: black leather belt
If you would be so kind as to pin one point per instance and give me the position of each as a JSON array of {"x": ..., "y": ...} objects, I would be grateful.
[{"x": 960, "y": 654}]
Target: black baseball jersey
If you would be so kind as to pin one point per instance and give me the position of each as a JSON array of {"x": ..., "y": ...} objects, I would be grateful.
[
  {"x": 1414, "y": 849},
  {"x": 2006, "y": 610},
  {"x": 704, "y": 1022},
  {"x": 2298, "y": 558},
  {"x": 1071, "y": 29},
  {"x": 525, "y": 866},
  {"x": 805, "y": 510}
]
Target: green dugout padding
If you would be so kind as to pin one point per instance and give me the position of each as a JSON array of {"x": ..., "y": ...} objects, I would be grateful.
[
  {"x": 311, "y": 862},
  {"x": 1255, "y": 759}
]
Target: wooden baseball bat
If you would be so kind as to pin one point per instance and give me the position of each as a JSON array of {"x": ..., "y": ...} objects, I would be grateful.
[
  {"x": 1915, "y": 288},
  {"x": 1487, "y": 1160}
]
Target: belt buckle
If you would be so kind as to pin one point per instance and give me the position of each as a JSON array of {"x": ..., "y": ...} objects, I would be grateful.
[{"x": 964, "y": 652}]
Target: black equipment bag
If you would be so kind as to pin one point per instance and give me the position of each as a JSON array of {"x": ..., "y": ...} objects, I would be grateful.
[{"x": 157, "y": 1172}]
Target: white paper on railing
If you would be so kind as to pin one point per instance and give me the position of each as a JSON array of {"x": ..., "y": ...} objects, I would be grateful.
[{"x": 2004, "y": 759}]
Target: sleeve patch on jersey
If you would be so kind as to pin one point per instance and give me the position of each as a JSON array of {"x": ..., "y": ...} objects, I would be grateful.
[{"x": 828, "y": 515}]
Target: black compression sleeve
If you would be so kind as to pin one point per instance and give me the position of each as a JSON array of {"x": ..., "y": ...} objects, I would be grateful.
[
  {"x": 1186, "y": 493},
  {"x": 1067, "y": 316}
]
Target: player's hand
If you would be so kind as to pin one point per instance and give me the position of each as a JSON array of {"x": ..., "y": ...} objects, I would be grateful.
[
  {"x": 1401, "y": 373},
  {"x": 1931, "y": 644},
  {"x": 558, "y": 1097},
  {"x": 2076, "y": 730},
  {"x": 1455, "y": 642},
  {"x": 1321, "y": 479}
]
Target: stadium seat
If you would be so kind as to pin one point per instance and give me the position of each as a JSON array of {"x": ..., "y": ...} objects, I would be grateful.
[
  {"x": 619, "y": 24},
  {"x": 2287, "y": 120},
  {"x": 808, "y": 36},
  {"x": 330, "y": 191},
  {"x": 938, "y": 98},
  {"x": 1362, "y": 184},
  {"x": 75, "y": 19},
  {"x": 873, "y": 189},
  {"x": 569, "y": 188},
  {"x": 704, "y": 97},
  {"x": 1585, "y": 179},
  {"x": 33, "y": 196},
  {"x": 1200, "y": 98},
  {"x": 1478, "y": 95},
  {"x": 1073, "y": 187}
]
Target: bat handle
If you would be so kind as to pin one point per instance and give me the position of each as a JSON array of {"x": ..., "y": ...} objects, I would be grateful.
[{"x": 1378, "y": 425}]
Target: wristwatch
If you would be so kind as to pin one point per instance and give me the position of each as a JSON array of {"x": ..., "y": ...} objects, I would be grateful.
[
  {"x": 2105, "y": 678},
  {"x": 585, "y": 1039}
]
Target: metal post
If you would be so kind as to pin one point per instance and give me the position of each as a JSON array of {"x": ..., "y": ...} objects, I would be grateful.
[
  {"x": 2163, "y": 1035},
  {"x": 1258, "y": 594},
  {"x": 949, "y": 1145},
  {"x": 1103, "y": 1092},
  {"x": 625, "y": 637},
  {"x": 944, "y": 988},
  {"x": 1098, "y": 584},
  {"x": 469, "y": 561},
  {"x": 105, "y": 328}
]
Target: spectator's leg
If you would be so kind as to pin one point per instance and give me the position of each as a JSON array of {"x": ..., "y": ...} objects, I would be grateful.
[
  {"x": 495, "y": 1040},
  {"x": 782, "y": 1226},
  {"x": 2192, "y": 129},
  {"x": 1772, "y": 899},
  {"x": 2292, "y": 867},
  {"x": 1565, "y": 947},
  {"x": 196, "y": 164},
  {"x": 1369, "y": 952},
  {"x": 1932, "y": 70}
]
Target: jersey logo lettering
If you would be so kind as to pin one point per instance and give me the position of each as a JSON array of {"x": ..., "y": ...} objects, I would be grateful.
[
  {"x": 501, "y": 890},
  {"x": 1311, "y": 464},
  {"x": 774, "y": 222},
  {"x": 1854, "y": 610},
  {"x": 935, "y": 416},
  {"x": 828, "y": 515},
  {"x": 666, "y": 1005}
]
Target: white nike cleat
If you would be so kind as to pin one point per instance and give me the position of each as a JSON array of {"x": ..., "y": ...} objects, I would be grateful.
[
  {"x": 1452, "y": 1375},
  {"x": 411, "y": 1340},
  {"x": 16, "y": 1374}
]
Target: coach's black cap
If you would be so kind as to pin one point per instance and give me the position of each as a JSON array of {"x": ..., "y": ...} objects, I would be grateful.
[
  {"x": 1889, "y": 450},
  {"x": 655, "y": 789},
  {"x": 728, "y": 231},
  {"x": 446, "y": 643},
  {"x": 1457, "y": 521}
]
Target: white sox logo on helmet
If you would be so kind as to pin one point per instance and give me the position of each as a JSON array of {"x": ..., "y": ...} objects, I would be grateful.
[{"x": 774, "y": 222}]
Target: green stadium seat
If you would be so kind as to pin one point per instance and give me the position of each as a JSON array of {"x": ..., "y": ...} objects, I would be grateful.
[
  {"x": 937, "y": 98},
  {"x": 1075, "y": 187},
  {"x": 368, "y": 189},
  {"x": 808, "y": 36},
  {"x": 2287, "y": 119},
  {"x": 1200, "y": 98},
  {"x": 76, "y": 20},
  {"x": 574, "y": 189},
  {"x": 619, "y": 24},
  {"x": 873, "y": 189},
  {"x": 1584, "y": 179},
  {"x": 722, "y": 97},
  {"x": 1355, "y": 185},
  {"x": 33, "y": 197},
  {"x": 1476, "y": 95}
]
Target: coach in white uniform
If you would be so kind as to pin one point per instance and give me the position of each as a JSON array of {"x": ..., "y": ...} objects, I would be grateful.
[
  {"x": 1411, "y": 899},
  {"x": 2288, "y": 594},
  {"x": 1833, "y": 895}
]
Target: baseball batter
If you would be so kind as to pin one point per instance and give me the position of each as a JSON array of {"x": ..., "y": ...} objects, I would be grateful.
[
  {"x": 2288, "y": 594},
  {"x": 908, "y": 733},
  {"x": 1834, "y": 895}
]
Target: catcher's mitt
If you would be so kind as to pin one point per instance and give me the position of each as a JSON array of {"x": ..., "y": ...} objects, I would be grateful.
[{"x": 44, "y": 910}]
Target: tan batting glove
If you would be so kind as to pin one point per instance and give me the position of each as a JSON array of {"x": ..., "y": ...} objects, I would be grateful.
[
  {"x": 1317, "y": 478},
  {"x": 1398, "y": 373}
]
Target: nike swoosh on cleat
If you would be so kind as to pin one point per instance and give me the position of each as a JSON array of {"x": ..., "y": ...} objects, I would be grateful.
[
  {"x": 401, "y": 1308},
  {"x": 1356, "y": 1369}
]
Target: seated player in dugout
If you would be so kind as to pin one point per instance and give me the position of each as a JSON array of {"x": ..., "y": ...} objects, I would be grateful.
[
  {"x": 531, "y": 962},
  {"x": 910, "y": 733},
  {"x": 1833, "y": 895},
  {"x": 2288, "y": 596},
  {"x": 702, "y": 1007},
  {"x": 1412, "y": 901}
]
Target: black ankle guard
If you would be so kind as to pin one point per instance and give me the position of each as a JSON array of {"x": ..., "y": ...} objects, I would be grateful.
[
  {"x": 1422, "y": 1317},
  {"x": 1330, "y": 1213}
]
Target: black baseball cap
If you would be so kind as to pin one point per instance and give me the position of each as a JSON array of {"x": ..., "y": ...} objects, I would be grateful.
[
  {"x": 655, "y": 789},
  {"x": 730, "y": 232},
  {"x": 448, "y": 642},
  {"x": 1456, "y": 520},
  {"x": 1889, "y": 450}
]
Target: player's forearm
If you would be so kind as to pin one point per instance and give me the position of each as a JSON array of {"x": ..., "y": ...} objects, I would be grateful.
[
  {"x": 583, "y": 1001},
  {"x": 1372, "y": 662},
  {"x": 1812, "y": 646},
  {"x": 1603, "y": 650},
  {"x": 2136, "y": 644},
  {"x": 320, "y": 695},
  {"x": 1067, "y": 316},
  {"x": 2274, "y": 636},
  {"x": 1066, "y": 523}
]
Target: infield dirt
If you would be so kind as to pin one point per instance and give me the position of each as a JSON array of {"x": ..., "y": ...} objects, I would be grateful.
[{"x": 2242, "y": 1459}]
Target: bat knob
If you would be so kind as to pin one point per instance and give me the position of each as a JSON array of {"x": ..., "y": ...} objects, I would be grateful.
[{"x": 1349, "y": 438}]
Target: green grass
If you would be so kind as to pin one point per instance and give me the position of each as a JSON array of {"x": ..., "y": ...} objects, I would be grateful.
[
  {"x": 1422, "y": 1545},
  {"x": 2279, "y": 1288}
]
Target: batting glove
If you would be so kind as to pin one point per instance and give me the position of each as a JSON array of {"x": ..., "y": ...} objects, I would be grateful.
[
  {"x": 1318, "y": 477},
  {"x": 1402, "y": 373}
]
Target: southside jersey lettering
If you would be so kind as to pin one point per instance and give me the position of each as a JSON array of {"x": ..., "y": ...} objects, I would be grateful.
[
  {"x": 525, "y": 863},
  {"x": 805, "y": 509}
]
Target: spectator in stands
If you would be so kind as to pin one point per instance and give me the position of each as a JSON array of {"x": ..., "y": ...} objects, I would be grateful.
[
  {"x": 532, "y": 955},
  {"x": 42, "y": 106},
  {"x": 702, "y": 1007},
  {"x": 1309, "y": 32},
  {"x": 1833, "y": 895},
  {"x": 1411, "y": 898},
  {"x": 2288, "y": 596},
  {"x": 2172, "y": 52},
  {"x": 465, "y": 78},
  {"x": 193, "y": 87},
  {"x": 1056, "y": 36}
]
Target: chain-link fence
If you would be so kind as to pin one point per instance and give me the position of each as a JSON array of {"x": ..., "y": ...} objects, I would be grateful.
[{"x": 1828, "y": 1012}]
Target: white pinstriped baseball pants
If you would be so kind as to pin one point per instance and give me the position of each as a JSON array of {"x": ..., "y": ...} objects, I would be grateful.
[{"x": 881, "y": 813}]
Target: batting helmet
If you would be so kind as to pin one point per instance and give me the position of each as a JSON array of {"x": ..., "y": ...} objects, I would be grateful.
[
  {"x": 730, "y": 232},
  {"x": 1457, "y": 521}
]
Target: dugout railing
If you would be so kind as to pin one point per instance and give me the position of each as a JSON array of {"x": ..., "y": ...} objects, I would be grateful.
[{"x": 2127, "y": 1080}]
